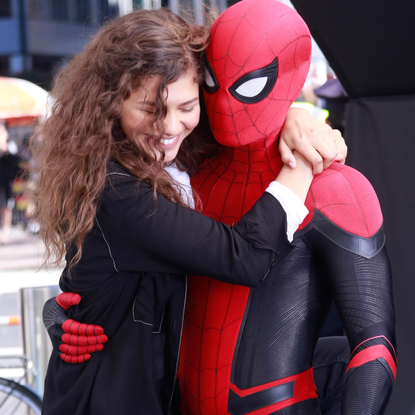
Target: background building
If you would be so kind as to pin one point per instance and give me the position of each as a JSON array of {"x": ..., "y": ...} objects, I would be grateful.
[{"x": 37, "y": 36}]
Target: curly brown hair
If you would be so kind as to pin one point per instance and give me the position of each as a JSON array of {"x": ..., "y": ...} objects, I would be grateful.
[{"x": 83, "y": 131}]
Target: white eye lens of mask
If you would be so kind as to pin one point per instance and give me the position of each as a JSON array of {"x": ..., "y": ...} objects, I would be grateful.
[
  {"x": 252, "y": 87},
  {"x": 208, "y": 79}
]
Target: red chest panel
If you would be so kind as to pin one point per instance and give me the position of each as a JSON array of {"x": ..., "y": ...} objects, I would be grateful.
[{"x": 232, "y": 182}]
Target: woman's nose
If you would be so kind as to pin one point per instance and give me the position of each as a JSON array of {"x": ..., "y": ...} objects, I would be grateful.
[{"x": 172, "y": 124}]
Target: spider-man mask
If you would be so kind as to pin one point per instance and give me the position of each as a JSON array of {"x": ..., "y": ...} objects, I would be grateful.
[{"x": 258, "y": 60}]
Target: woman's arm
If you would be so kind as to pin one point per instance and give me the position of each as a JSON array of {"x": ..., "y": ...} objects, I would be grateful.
[
  {"x": 291, "y": 188},
  {"x": 258, "y": 234},
  {"x": 137, "y": 233},
  {"x": 315, "y": 140},
  {"x": 298, "y": 180}
]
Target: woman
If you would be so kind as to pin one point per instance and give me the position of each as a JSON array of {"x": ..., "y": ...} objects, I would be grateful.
[{"x": 124, "y": 110}]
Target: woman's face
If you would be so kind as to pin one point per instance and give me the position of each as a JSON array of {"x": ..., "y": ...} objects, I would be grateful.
[{"x": 183, "y": 112}]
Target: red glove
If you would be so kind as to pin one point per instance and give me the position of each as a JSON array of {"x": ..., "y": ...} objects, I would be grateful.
[{"x": 75, "y": 341}]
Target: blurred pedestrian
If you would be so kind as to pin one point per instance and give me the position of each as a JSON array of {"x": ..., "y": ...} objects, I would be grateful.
[{"x": 10, "y": 169}]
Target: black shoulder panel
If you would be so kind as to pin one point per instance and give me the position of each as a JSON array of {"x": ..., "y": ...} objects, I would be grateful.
[{"x": 365, "y": 247}]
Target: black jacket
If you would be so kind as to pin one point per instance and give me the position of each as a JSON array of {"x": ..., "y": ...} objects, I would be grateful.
[{"x": 131, "y": 278}]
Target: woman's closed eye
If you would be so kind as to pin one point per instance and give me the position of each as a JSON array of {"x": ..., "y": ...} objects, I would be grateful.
[
  {"x": 148, "y": 108},
  {"x": 188, "y": 109}
]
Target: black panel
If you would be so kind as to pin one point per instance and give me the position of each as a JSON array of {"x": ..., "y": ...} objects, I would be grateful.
[{"x": 365, "y": 247}]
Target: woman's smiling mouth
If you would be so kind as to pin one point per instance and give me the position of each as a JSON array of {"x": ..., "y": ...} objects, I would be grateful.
[{"x": 168, "y": 142}]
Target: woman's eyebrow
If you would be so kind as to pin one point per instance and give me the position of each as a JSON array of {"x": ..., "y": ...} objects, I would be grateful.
[
  {"x": 153, "y": 104},
  {"x": 190, "y": 101}
]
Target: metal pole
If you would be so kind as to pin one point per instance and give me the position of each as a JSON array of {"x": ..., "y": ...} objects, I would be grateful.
[{"x": 36, "y": 343}]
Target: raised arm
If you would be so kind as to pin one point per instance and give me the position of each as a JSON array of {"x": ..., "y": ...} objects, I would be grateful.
[{"x": 347, "y": 235}]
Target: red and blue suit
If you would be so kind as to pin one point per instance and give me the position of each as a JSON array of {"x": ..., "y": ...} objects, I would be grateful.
[{"x": 250, "y": 350}]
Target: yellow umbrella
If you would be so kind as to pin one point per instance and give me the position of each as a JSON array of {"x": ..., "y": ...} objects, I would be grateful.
[{"x": 21, "y": 99}]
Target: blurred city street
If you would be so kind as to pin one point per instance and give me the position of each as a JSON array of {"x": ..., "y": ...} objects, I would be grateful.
[{"x": 20, "y": 262}]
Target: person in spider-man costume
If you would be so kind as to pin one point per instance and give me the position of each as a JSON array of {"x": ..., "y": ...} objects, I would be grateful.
[{"x": 250, "y": 350}]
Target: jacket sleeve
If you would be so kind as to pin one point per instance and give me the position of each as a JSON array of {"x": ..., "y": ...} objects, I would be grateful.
[{"x": 144, "y": 235}]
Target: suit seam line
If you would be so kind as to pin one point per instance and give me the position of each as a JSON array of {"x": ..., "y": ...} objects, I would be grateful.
[{"x": 108, "y": 245}]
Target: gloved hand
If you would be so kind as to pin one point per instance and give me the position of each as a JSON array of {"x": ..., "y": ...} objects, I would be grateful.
[{"x": 75, "y": 341}]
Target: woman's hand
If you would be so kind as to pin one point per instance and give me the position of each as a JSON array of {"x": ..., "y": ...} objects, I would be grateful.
[{"x": 315, "y": 140}]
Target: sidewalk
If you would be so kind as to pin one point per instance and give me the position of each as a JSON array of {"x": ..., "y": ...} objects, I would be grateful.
[{"x": 20, "y": 261}]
